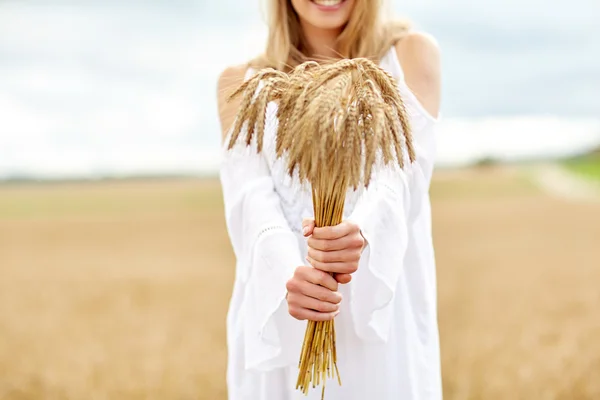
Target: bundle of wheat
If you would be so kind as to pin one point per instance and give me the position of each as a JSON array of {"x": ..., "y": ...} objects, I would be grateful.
[{"x": 335, "y": 121}]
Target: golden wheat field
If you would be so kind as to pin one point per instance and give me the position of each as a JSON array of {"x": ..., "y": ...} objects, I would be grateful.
[{"x": 118, "y": 290}]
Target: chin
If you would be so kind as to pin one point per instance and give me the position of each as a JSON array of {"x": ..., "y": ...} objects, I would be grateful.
[{"x": 324, "y": 14}]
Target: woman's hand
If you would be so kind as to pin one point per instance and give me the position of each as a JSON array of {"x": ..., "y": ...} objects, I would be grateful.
[
  {"x": 312, "y": 295},
  {"x": 335, "y": 249},
  {"x": 312, "y": 291}
]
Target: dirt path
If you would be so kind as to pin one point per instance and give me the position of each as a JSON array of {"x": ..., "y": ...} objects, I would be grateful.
[{"x": 557, "y": 181}]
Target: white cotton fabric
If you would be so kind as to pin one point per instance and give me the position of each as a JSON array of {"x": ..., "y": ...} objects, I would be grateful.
[{"x": 387, "y": 333}]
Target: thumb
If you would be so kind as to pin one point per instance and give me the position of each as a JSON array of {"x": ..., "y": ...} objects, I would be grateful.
[
  {"x": 308, "y": 225},
  {"x": 343, "y": 278}
]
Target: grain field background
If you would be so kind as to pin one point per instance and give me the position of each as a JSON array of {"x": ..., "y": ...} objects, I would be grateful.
[{"x": 119, "y": 290}]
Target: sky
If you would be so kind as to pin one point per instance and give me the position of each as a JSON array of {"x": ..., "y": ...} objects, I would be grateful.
[{"x": 101, "y": 87}]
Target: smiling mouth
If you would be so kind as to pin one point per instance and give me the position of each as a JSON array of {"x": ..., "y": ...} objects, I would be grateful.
[{"x": 328, "y": 3}]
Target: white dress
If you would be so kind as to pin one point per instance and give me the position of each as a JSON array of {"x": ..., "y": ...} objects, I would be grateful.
[{"x": 387, "y": 333}]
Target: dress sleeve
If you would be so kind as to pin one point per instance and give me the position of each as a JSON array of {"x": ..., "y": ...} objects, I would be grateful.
[
  {"x": 267, "y": 253},
  {"x": 382, "y": 213}
]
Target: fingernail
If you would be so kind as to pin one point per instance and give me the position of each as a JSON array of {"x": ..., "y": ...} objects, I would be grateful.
[
  {"x": 305, "y": 230},
  {"x": 335, "y": 314}
]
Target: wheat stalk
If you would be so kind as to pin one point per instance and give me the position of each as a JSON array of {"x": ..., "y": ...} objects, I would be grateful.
[{"x": 334, "y": 121}]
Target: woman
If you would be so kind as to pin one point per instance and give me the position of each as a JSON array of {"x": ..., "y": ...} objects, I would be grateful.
[{"x": 383, "y": 293}]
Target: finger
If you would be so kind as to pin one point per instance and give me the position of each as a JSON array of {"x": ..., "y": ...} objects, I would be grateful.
[
  {"x": 365, "y": 243},
  {"x": 317, "y": 277},
  {"x": 308, "y": 225},
  {"x": 343, "y": 278},
  {"x": 334, "y": 267},
  {"x": 335, "y": 232},
  {"x": 350, "y": 255},
  {"x": 310, "y": 303},
  {"x": 299, "y": 286},
  {"x": 346, "y": 242},
  {"x": 318, "y": 292},
  {"x": 304, "y": 314}
]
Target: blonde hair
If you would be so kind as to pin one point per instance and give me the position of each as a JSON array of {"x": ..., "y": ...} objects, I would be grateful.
[{"x": 365, "y": 35}]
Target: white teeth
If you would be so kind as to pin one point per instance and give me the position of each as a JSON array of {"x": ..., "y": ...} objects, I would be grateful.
[{"x": 327, "y": 3}]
